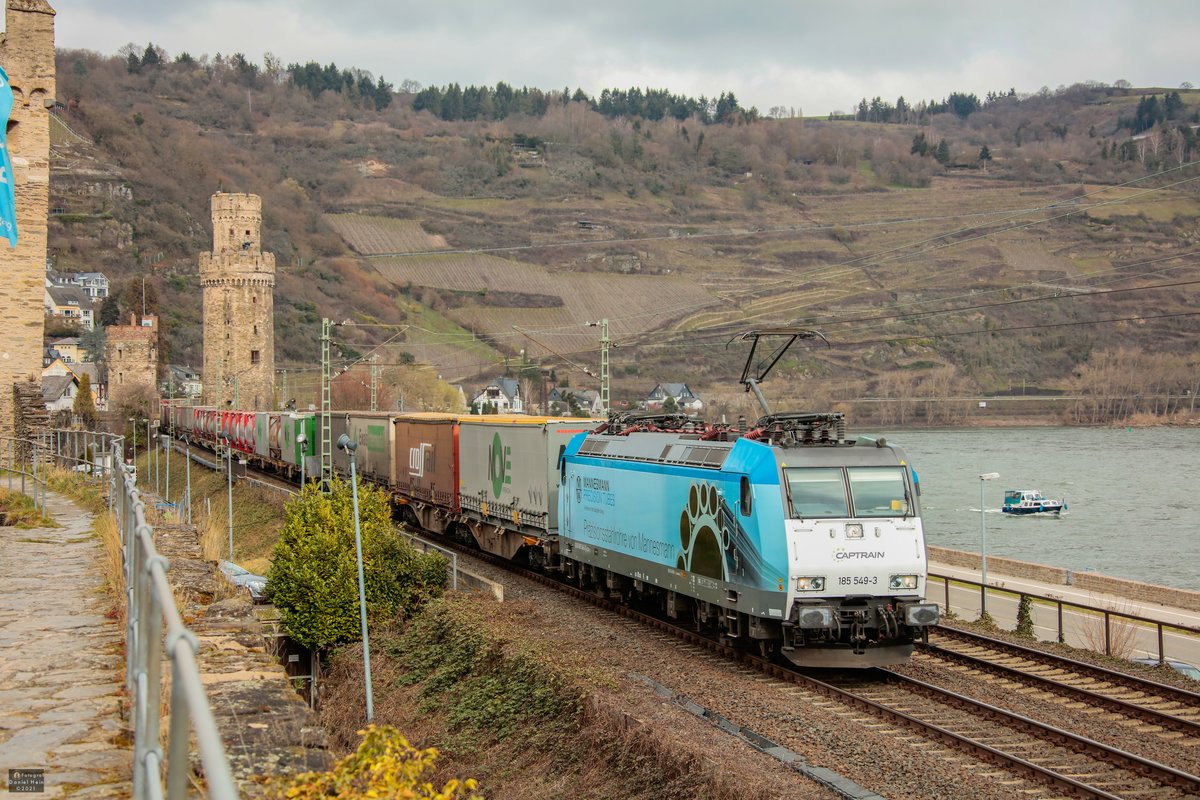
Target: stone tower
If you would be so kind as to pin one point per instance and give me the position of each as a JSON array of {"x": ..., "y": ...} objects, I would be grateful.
[
  {"x": 131, "y": 353},
  {"x": 239, "y": 309},
  {"x": 27, "y": 55}
]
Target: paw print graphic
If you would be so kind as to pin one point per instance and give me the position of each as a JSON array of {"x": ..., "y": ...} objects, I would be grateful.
[{"x": 701, "y": 538}]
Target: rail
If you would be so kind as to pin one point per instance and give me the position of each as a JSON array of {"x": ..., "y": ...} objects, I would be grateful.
[{"x": 1108, "y": 614}]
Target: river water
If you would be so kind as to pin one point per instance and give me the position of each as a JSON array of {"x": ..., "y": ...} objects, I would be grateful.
[{"x": 1131, "y": 495}]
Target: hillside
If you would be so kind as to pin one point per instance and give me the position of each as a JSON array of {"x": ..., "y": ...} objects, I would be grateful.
[{"x": 934, "y": 269}]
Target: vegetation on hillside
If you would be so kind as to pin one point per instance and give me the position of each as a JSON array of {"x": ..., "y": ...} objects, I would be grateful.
[{"x": 729, "y": 220}]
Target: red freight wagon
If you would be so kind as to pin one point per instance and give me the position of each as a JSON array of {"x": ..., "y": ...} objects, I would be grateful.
[{"x": 426, "y": 468}]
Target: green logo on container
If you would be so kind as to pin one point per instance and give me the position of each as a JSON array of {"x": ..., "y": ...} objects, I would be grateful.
[{"x": 499, "y": 465}]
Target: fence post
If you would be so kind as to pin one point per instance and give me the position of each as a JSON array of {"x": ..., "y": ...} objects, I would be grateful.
[{"x": 1107, "y": 635}]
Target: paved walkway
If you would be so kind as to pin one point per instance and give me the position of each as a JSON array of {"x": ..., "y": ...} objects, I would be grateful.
[{"x": 61, "y": 660}]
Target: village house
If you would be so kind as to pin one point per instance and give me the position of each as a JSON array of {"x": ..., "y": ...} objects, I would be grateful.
[
  {"x": 69, "y": 302},
  {"x": 566, "y": 402},
  {"x": 685, "y": 399},
  {"x": 502, "y": 394},
  {"x": 93, "y": 284}
]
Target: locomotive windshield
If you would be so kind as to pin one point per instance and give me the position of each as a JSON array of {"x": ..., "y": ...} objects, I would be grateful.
[{"x": 832, "y": 491}]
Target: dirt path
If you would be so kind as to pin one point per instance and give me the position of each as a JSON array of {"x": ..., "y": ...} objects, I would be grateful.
[{"x": 61, "y": 660}]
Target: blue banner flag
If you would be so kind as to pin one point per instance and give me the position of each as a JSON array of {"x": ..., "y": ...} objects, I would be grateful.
[{"x": 8, "y": 200}]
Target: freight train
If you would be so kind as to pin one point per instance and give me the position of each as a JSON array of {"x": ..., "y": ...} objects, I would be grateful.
[{"x": 785, "y": 536}]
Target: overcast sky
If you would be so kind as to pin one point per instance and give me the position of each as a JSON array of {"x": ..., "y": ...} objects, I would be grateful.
[{"x": 814, "y": 56}]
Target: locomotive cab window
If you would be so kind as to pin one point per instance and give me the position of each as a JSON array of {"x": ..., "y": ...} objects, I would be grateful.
[
  {"x": 817, "y": 492},
  {"x": 878, "y": 491}
]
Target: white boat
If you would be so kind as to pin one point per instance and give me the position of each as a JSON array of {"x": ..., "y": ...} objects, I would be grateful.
[{"x": 1031, "y": 501}]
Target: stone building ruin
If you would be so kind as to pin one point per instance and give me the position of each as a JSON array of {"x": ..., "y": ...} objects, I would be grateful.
[{"x": 131, "y": 353}]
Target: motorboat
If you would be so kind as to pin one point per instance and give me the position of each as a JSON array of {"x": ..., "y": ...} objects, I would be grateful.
[{"x": 1031, "y": 501}]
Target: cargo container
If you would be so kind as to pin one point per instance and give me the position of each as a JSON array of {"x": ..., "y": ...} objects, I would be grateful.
[
  {"x": 426, "y": 480},
  {"x": 292, "y": 425},
  {"x": 508, "y": 476},
  {"x": 375, "y": 434}
]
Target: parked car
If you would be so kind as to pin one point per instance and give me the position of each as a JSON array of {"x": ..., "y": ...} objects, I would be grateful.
[
  {"x": 255, "y": 585},
  {"x": 1182, "y": 667}
]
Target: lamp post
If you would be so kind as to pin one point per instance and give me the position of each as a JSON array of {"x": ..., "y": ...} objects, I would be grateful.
[
  {"x": 133, "y": 427},
  {"x": 229, "y": 474},
  {"x": 345, "y": 443},
  {"x": 151, "y": 450},
  {"x": 301, "y": 440},
  {"x": 187, "y": 446},
  {"x": 987, "y": 476}
]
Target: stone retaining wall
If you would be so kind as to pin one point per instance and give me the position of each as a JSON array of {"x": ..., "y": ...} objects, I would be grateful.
[
  {"x": 1091, "y": 581},
  {"x": 267, "y": 729}
]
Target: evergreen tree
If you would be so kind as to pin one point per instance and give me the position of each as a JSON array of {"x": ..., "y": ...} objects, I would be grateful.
[
  {"x": 943, "y": 152},
  {"x": 985, "y": 154},
  {"x": 110, "y": 311},
  {"x": 85, "y": 404},
  {"x": 920, "y": 145}
]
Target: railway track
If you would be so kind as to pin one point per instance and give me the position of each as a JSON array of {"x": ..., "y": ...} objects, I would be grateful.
[
  {"x": 1029, "y": 755},
  {"x": 1175, "y": 710}
]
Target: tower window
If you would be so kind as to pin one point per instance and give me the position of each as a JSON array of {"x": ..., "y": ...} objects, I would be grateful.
[
  {"x": 256, "y": 330},
  {"x": 254, "y": 357}
]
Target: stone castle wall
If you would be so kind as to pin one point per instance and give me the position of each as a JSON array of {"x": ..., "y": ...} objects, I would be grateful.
[
  {"x": 27, "y": 55},
  {"x": 238, "y": 280}
]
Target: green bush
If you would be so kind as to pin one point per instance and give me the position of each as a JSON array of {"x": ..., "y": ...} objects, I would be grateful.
[{"x": 313, "y": 580}]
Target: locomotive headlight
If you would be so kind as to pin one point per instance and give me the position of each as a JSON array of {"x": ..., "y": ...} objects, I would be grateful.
[
  {"x": 902, "y": 582},
  {"x": 854, "y": 530},
  {"x": 810, "y": 584}
]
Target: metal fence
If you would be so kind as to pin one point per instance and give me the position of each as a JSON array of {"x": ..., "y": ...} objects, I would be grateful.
[
  {"x": 151, "y": 603},
  {"x": 1108, "y": 618}
]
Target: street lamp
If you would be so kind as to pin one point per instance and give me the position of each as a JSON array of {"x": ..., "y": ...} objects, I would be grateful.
[
  {"x": 301, "y": 440},
  {"x": 345, "y": 443},
  {"x": 987, "y": 476},
  {"x": 133, "y": 427},
  {"x": 229, "y": 474},
  {"x": 187, "y": 445}
]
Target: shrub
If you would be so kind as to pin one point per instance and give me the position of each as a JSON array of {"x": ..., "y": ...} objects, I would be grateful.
[
  {"x": 313, "y": 580},
  {"x": 384, "y": 765}
]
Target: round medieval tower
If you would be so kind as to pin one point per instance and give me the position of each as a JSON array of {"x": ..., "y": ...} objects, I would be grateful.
[{"x": 238, "y": 279}]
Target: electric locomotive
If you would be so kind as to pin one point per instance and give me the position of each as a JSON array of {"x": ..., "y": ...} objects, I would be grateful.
[{"x": 786, "y": 536}]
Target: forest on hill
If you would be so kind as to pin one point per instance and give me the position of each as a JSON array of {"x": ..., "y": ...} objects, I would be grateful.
[{"x": 950, "y": 248}]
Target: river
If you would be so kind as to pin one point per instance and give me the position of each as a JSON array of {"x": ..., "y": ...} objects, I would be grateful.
[{"x": 1132, "y": 512}]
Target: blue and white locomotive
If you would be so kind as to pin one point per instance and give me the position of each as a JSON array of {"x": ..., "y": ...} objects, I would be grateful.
[{"x": 787, "y": 536}]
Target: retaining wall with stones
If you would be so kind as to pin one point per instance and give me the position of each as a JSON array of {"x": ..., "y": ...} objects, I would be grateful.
[
  {"x": 1091, "y": 581},
  {"x": 267, "y": 729}
]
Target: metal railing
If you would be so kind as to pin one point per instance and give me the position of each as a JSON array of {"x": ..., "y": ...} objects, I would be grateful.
[
  {"x": 150, "y": 603},
  {"x": 24, "y": 461},
  {"x": 1107, "y": 614}
]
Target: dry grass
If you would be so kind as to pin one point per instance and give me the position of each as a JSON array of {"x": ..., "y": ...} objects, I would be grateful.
[{"x": 1121, "y": 634}]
